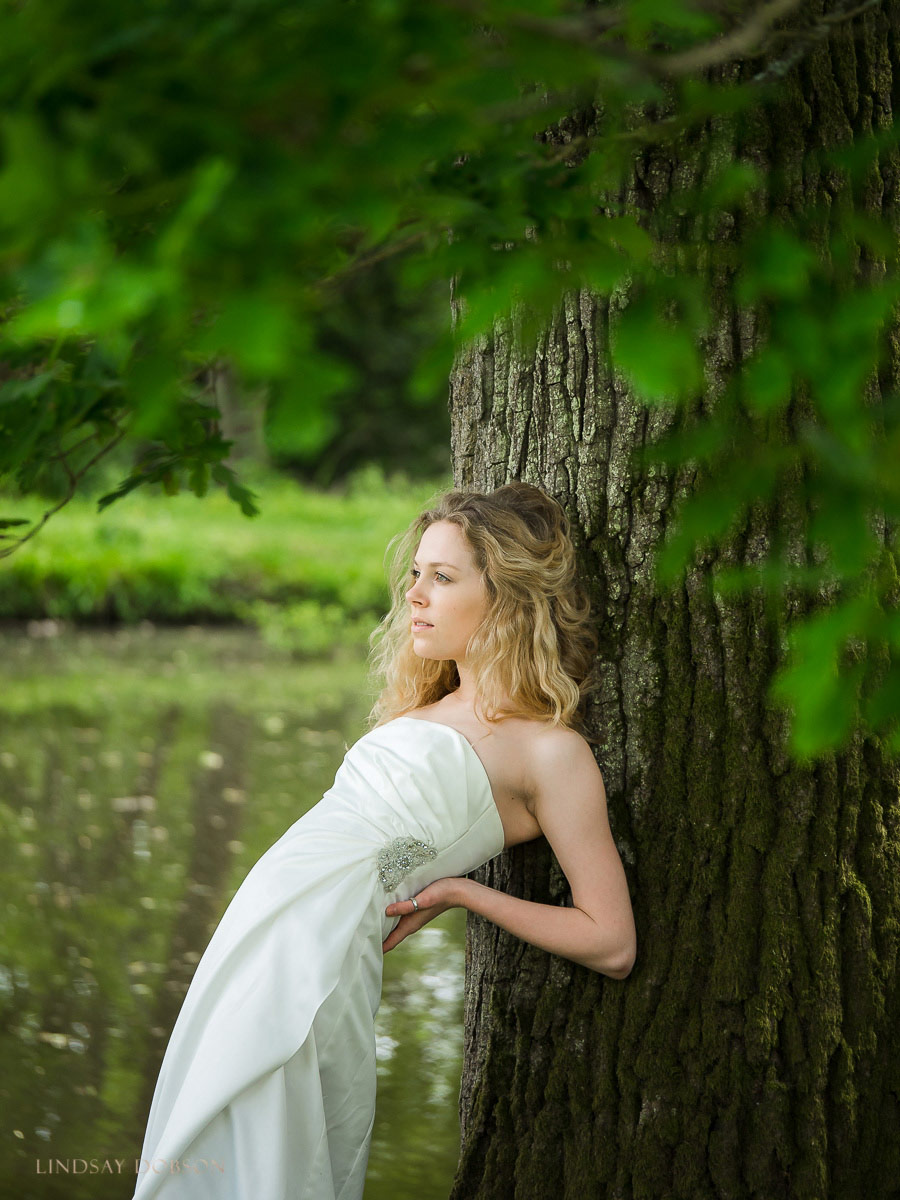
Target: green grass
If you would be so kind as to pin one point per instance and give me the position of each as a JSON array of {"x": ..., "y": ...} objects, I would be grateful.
[{"x": 184, "y": 559}]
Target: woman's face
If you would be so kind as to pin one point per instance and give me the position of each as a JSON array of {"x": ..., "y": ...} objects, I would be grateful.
[{"x": 447, "y": 598}]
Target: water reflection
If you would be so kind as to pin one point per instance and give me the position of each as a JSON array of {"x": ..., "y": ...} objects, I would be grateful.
[{"x": 142, "y": 773}]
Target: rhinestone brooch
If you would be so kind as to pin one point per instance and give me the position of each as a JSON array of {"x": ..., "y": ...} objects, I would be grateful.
[{"x": 399, "y": 857}]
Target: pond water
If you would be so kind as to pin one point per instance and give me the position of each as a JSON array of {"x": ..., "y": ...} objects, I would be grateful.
[{"x": 142, "y": 773}]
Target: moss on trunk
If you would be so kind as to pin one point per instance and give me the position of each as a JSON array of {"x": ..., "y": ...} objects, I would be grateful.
[{"x": 753, "y": 1050}]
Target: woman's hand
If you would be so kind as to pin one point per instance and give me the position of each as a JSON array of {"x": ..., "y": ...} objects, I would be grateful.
[{"x": 432, "y": 901}]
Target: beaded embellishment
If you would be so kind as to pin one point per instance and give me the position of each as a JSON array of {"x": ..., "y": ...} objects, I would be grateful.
[{"x": 399, "y": 857}]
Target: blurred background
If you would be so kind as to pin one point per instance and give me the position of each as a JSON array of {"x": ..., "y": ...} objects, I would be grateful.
[{"x": 180, "y": 684}]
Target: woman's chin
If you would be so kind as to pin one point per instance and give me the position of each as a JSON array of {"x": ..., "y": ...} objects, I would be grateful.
[{"x": 425, "y": 652}]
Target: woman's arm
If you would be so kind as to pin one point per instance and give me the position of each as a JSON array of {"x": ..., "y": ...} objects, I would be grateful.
[
  {"x": 570, "y": 807},
  {"x": 569, "y": 932}
]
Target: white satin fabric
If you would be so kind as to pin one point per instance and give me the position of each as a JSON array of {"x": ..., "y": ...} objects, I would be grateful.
[{"x": 269, "y": 1075}]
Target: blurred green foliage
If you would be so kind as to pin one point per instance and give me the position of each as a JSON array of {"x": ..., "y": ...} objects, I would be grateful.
[
  {"x": 192, "y": 183},
  {"x": 382, "y": 330}
]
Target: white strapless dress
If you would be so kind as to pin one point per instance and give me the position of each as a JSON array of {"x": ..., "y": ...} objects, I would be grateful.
[{"x": 267, "y": 1087}]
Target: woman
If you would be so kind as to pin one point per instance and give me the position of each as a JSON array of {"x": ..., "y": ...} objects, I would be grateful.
[
  {"x": 501, "y": 626},
  {"x": 267, "y": 1088}
]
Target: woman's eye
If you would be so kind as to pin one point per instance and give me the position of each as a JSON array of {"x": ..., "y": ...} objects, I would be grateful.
[{"x": 438, "y": 575}]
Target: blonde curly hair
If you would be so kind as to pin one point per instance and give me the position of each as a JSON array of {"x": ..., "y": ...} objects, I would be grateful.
[{"x": 536, "y": 643}]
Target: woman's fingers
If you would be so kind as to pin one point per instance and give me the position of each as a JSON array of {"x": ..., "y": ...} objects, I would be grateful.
[
  {"x": 432, "y": 900},
  {"x": 430, "y": 905},
  {"x": 402, "y": 929}
]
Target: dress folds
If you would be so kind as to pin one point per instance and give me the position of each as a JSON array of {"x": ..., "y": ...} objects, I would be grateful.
[{"x": 267, "y": 1087}]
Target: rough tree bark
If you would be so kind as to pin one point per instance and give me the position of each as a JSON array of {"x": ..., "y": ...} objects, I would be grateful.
[{"x": 753, "y": 1052}]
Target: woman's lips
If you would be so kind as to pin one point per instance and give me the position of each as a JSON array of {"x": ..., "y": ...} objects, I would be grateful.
[{"x": 419, "y": 625}]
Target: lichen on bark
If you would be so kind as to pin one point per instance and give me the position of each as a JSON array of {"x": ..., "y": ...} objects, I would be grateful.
[{"x": 753, "y": 1050}]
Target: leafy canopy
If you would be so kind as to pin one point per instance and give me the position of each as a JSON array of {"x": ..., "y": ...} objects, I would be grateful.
[{"x": 188, "y": 183}]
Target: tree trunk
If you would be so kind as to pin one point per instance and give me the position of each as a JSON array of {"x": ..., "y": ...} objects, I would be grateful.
[{"x": 753, "y": 1050}]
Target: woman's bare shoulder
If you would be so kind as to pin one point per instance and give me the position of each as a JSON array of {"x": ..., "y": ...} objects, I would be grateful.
[
  {"x": 547, "y": 735},
  {"x": 539, "y": 743},
  {"x": 545, "y": 747},
  {"x": 561, "y": 740}
]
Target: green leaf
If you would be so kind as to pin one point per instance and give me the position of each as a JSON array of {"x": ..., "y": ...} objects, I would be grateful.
[
  {"x": 714, "y": 510},
  {"x": 777, "y": 264},
  {"x": 241, "y": 495},
  {"x": 624, "y": 233},
  {"x": 644, "y": 17},
  {"x": 825, "y": 707},
  {"x": 199, "y": 479},
  {"x": 211, "y": 178},
  {"x": 694, "y": 444},
  {"x": 841, "y": 522},
  {"x": 883, "y": 706},
  {"x": 823, "y": 698},
  {"x": 730, "y": 185},
  {"x": 659, "y": 359},
  {"x": 767, "y": 380},
  {"x": 257, "y": 332},
  {"x": 519, "y": 275}
]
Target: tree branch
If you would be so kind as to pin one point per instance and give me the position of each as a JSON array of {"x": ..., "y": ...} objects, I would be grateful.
[
  {"x": 807, "y": 38},
  {"x": 359, "y": 264},
  {"x": 74, "y": 478},
  {"x": 735, "y": 44}
]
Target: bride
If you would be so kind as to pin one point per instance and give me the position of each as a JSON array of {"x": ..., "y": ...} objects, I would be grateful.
[
  {"x": 500, "y": 628},
  {"x": 267, "y": 1087}
]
